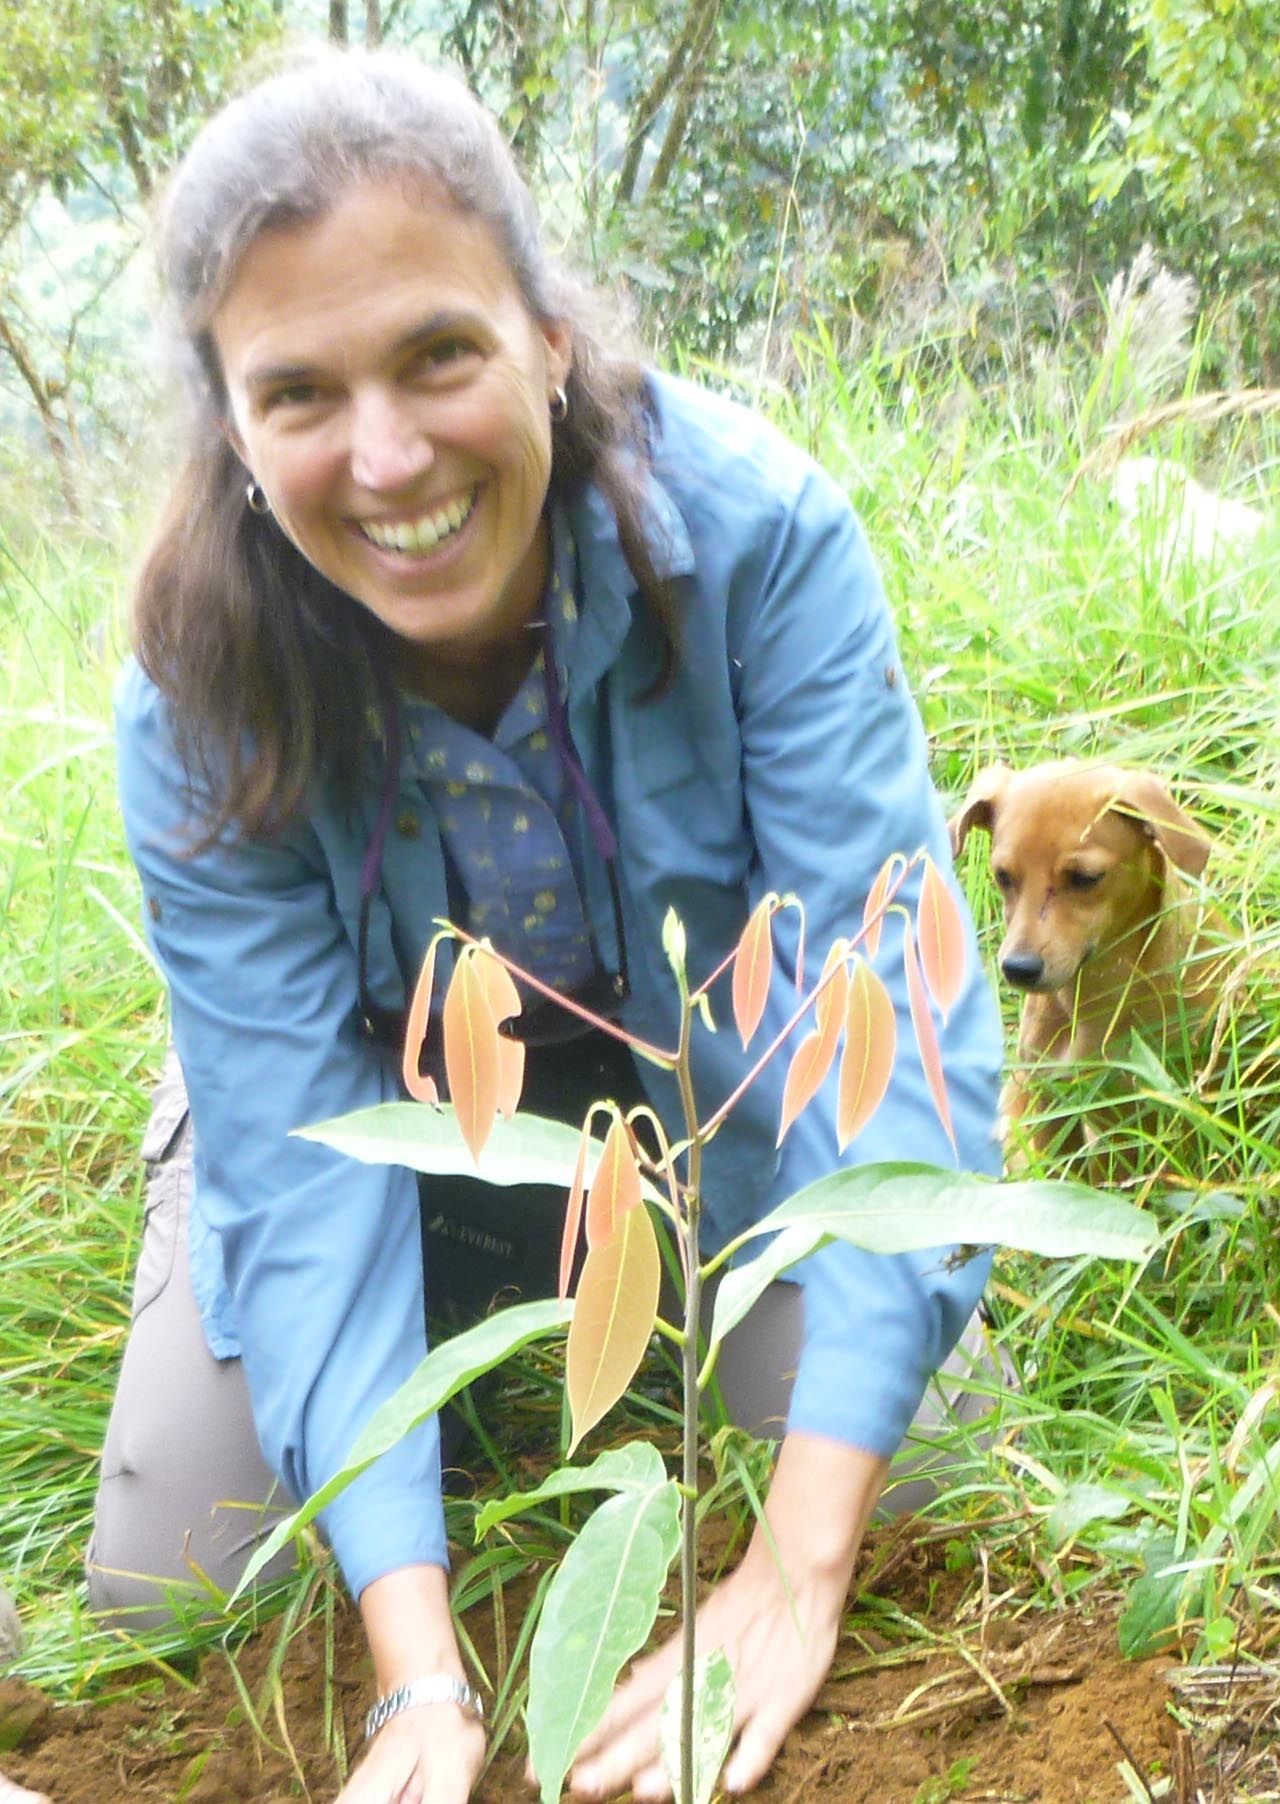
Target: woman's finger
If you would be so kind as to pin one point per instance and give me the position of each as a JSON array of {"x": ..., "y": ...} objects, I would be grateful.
[
  {"x": 636, "y": 1698},
  {"x": 759, "y": 1744},
  {"x": 611, "y": 1768}
]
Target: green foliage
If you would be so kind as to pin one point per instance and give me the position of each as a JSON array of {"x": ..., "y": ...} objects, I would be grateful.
[
  {"x": 713, "y": 1712},
  {"x": 1206, "y": 136},
  {"x": 1204, "y": 143},
  {"x": 96, "y": 99},
  {"x": 598, "y": 1613},
  {"x": 95, "y": 85}
]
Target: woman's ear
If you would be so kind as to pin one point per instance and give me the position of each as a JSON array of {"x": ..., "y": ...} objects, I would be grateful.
[
  {"x": 227, "y": 427},
  {"x": 557, "y": 335}
]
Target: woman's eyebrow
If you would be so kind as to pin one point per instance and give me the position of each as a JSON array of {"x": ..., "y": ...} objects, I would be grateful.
[
  {"x": 435, "y": 325},
  {"x": 274, "y": 375}
]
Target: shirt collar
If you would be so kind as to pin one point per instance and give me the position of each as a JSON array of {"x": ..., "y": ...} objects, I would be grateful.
[{"x": 604, "y": 576}]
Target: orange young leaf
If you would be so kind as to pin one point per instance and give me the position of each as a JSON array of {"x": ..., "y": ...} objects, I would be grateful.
[
  {"x": 941, "y": 930},
  {"x": 926, "y": 1037},
  {"x": 870, "y": 1042},
  {"x": 753, "y": 969},
  {"x": 828, "y": 1010},
  {"x": 873, "y": 911},
  {"x": 471, "y": 1052},
  {"x": 613, "y": 1316},
  {"x": 422, "y": 1089},
  {"x": 504, "y": 1002},
  {"x": 573, "y": 1209},
  {"x": 510, "y": 1075},
  {"x": 615, "y": 1189},
  {"x": 814, "y": 1054}
]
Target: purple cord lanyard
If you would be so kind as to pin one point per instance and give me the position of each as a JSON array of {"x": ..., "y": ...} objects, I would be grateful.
[{"x": 381, "y": 1024}]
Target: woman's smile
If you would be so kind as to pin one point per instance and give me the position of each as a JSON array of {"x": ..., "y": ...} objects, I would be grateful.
[
  {"x": 388, "y": 389},
  {"x": 424, "y": 533}
]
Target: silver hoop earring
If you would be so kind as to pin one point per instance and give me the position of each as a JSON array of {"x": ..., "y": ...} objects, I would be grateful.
[
  {"x": 256, "y": 496},
  {"x": 558, "y": 406}
]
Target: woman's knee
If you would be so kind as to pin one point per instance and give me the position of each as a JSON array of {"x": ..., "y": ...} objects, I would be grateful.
[{"x": 184, "y": 1494}]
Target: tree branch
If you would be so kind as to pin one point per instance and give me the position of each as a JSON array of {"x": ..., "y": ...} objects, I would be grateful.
[{"x": 655, "y": 98}]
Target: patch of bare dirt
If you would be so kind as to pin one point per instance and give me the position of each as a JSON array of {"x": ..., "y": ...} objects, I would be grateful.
[{"x": 949, "y": 1696}]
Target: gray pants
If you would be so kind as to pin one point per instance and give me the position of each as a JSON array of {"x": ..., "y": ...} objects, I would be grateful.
[{"x": 185, "y": 1494}]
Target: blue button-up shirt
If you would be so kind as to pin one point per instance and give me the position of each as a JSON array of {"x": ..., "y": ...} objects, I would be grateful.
[
  {"x": 786, "y": 755},
  {"x": 501, "y": 806}
]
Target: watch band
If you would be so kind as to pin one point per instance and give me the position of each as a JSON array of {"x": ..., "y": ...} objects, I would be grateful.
[{"x": 436, "y": 1688}]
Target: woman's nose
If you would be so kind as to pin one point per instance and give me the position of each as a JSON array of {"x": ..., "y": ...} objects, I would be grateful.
[{"x": 390, "y": 445}]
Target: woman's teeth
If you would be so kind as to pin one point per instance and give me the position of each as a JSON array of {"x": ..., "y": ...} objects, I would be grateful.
[{"x": 423, "y": 534}]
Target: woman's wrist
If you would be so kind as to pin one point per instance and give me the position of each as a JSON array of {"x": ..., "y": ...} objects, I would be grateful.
[
  {"x": 409, "y": 1626},
  {"x": 820, "y": 1501}
]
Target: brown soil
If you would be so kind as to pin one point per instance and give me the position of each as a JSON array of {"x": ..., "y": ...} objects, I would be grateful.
[{"x": 977, "y": 1702}]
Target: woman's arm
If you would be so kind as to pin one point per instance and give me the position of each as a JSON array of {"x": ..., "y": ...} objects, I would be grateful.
[
  {"x": 320, "y": 1255},
  {"x": 834, "y": 780}
]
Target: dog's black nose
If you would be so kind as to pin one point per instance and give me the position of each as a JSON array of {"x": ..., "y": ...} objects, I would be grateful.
[{"x": 1023, "y": 969}]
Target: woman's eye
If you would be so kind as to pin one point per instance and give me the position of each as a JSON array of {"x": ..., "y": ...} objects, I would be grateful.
[
  {"x": 442, "y": 352},
  {"x": 294, "y": 394}
]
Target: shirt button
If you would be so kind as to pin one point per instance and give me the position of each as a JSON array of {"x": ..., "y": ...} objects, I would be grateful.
[
  {"x": 408, "y": 825},
  {"x": 153, "y": 908}
]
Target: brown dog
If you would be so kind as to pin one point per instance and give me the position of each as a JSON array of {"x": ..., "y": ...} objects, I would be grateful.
[{"x": 1102, "y": 933}]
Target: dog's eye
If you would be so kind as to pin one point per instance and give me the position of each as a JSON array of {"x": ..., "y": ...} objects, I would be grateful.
[
  {"x": 1084, "y": 879},
  {"x": 1004, "y": 880}
]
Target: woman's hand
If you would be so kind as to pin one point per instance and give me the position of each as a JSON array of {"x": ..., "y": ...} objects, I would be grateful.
[
  {"x": 776, "y": 1617},
  {"x": 428, "y": 1755}
]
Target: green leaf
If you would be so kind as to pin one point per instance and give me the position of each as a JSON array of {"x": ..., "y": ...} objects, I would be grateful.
[
  {"x": 713, "y": 1713},
  {"x": 599, "y": 1610},
  {"x": 674, "y": 944},
  {"x": 1082, "y": 1504},
  {"x": 900, "y": 1208},
  {"x": 1151, "y": 1614},
  {"x": 637, "y": 1467},
  {"x": 527, "y": 1149},
  {"x": 741, "y": 1287},
  {"x": 1143, "y": 1061},
  {"x": 446, "y": 1370}
]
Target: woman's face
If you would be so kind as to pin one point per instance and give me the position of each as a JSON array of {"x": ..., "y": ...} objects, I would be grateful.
[{"x": 389, "y": 390}]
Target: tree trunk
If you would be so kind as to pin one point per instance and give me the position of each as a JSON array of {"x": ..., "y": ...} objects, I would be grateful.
[
  {"x": 693, "y": 42},
  {"x": 337, "y": 21},
  {"x": 682, "y": 111},
  {"x": 54, "y": 430},
  {"x": 372, "y": 23}
]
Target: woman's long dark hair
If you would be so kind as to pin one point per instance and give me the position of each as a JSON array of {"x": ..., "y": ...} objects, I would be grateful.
[{"x": 271, "y": 670}]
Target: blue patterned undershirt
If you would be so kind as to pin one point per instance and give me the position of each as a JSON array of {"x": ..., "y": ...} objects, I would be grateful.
[{"x": 502, "y": 805}]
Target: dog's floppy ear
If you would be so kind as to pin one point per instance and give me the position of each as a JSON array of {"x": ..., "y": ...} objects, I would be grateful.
[
  {"x": 1144, "y": 798},
  {"x": 980, "y": 805}
]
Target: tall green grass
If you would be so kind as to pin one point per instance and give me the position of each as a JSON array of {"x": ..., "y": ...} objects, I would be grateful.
[{"x": 1146, "y": 1436}]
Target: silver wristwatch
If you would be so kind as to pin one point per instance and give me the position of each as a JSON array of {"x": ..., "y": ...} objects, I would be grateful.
[{"x": 438, "y": 1688}]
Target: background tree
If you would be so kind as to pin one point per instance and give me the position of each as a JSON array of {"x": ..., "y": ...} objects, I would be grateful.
[
  {"x": 1204, "y": 141},
  {"x": 96, "y": 97},
  {"x": 901, "y": 169}
]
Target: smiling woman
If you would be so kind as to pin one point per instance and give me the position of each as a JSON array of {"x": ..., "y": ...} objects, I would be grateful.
[
  {"x": 458, "y": 610},
  {"x": 391, "y": 396}
]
